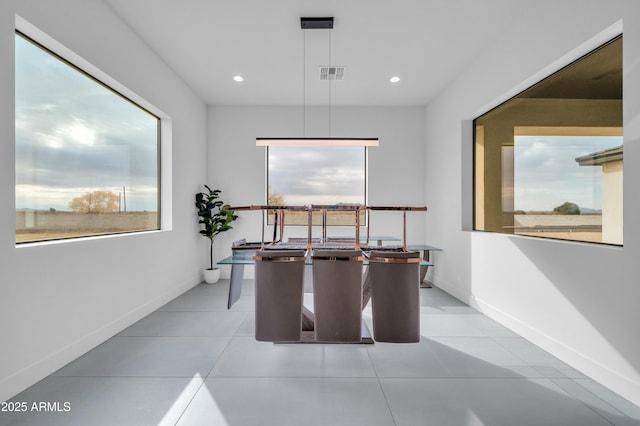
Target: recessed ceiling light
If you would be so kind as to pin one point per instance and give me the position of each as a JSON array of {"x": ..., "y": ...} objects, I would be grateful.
[
  {"x": 394, "y": 79},
  {"x": 238, "y": 78}
]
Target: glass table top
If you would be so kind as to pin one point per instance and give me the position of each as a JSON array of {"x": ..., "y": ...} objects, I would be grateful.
[{"x": 245, "y": 256}]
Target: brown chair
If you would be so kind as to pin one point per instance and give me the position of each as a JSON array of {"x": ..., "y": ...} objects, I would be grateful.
[
  {"x": 395, "y": 296},
  {"x": 278, "y": 295},
  {"x": 337, "y": 295}
]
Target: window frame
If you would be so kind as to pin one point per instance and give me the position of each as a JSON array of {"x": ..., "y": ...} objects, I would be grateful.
[
  {"x": 61, "y": 53},
  {"x": 317, "y": 216},
  {"x": 477, "y": 131}
]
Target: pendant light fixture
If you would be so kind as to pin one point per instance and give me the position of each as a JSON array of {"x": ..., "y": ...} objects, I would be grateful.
[{"x": 316, "y": 23}]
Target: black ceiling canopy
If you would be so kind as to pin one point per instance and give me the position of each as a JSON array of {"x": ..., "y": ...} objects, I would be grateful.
[{"x": 315, "y": 23}]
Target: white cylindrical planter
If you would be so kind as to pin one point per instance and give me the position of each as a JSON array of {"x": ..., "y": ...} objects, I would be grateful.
[{"x": 211, "y": 276}]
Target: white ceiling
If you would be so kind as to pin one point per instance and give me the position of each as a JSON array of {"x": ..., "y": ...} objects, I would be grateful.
[{"x": 426, "y": 43}]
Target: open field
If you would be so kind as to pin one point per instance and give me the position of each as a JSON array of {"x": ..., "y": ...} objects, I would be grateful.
[
  {"x": 557, "y": 220},
  {"x": 46, "y": 225},
  {"x": 333, "y": 218},
  {"x": 567, "y": 227}
]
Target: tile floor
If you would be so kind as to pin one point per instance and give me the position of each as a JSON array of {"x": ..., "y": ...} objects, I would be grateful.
[{"x": 193, "y": 362}]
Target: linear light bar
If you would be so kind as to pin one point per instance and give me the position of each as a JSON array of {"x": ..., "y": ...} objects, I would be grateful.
[{"x": 317, "y": 142}]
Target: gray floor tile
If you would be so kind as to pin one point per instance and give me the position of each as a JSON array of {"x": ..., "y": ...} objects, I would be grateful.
[
  {"x": 246, "y": 303},
  {"x": 217, "y": 302},
  {"x": 407, "y": 360},
  {"x": 288, "y": 401},
  {"x": 197, "y": 303},
  {"x": 435, "y": 307},
  {"x": 204, "y": 289},
  {"x": 434, "y": 292},
  {"x": 248, "y": 326},
  {"x": 599, "y": 404},
  {"x": 480, "y": 348},
  {"x": 461, "y": 325},
  {"x": 106, "y": 401},
  {"x": 479, "y": 357},
  {"x": 611, "y": 398},
  {"x": 436, "y": 301},
  {"x": 569, "y": 371},
  {"x": 221, "y": 287},
  {"x": 527, "y": 351},
  {"x": 183, "y": 323},
  {"x": 550, "y": 371},
  {"x": 494, "y": 402},
  {"x": 538, "y": 358},
  {"x": 195, "y": 362},
  {"x": 149, "y": 356},
  {"x": 245, "y": 357}
]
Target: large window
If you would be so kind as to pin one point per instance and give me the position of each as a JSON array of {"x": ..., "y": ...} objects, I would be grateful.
[
  {"x": 86, "y": 157},
  {"x": 548, "y": 162},
  {"x": 304, "y": 175}
]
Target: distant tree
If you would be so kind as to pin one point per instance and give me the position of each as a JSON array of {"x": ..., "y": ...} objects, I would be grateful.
[
  {"x": 275, "y": 198},
  {"x": 567, "y": 208},
  {"x": 96, "y": 202}
]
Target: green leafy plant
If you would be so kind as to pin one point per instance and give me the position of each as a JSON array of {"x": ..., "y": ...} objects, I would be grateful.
[
  {"x": 567, "y": 208},
  {"x": 213, "y": 215}
]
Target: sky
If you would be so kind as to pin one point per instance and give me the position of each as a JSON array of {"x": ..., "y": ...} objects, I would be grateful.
[
  {"x": 546, "y": 174},
  {"x": 317, "y": 175},
  {"x": 75, "y": 136}
]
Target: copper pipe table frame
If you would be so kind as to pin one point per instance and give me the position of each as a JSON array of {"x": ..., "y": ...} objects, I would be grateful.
[{"x": 280, "y": 215}]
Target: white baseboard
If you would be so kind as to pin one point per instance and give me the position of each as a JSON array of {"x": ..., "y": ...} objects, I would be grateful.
[
  {"x": 33, "y": 373},
  {"x": 590, "y": 367},
  {"x": 599, "y": 372}
]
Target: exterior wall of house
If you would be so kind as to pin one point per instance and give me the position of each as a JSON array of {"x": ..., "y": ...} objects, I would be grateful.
[{"x": 612, "y": 202}]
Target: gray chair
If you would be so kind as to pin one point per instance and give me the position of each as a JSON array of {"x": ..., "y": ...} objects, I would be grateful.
[
  {"x": 395, "y": 296},
  {"x": 278, "y": 295},
  {"x": 337, "y": 295}
]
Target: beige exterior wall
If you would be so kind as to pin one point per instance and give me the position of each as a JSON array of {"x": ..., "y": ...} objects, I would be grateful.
[
  {"x": 612, "y": 202},
  {"x": 528, "y": 116}
]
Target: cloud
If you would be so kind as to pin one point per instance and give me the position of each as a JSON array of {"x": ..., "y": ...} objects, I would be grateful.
[
  {"x": 331, "y": 174},
  {"x": 74, "y": 134},
  {"x": 546, "y": 173}
]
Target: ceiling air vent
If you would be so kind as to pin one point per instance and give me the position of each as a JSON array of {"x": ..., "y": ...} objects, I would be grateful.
[{"x": 331, "y": 73}]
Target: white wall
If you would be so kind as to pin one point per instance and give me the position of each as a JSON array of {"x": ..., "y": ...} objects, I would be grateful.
[
  {"x": 396, "y": 167},
  {"x": 59, "y": 300},
  {"x": 578, "y": 301}
]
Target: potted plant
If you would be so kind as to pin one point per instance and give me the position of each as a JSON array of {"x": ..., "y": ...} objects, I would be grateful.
[{"x": 215, "y": 219}]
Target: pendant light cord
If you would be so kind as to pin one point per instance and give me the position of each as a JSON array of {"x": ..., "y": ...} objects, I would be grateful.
[
  {"x": 304, "y": 83},
  {"x": 328, "y": 75}
]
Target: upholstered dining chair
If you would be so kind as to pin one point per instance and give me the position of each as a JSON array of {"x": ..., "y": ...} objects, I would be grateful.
[
  {"x": 337, "y": 295},
  {"x": 395, "y": 296},
  {"x": 279, "y": 295}
]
